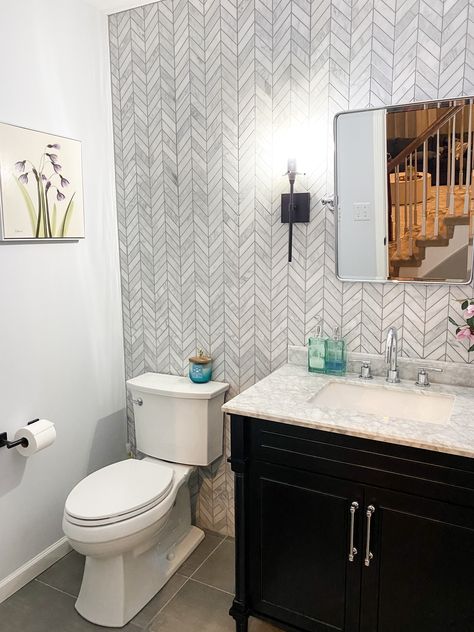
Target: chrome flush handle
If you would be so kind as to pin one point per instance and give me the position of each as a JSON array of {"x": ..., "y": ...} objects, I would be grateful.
[
  {"x": 368, "y": 555},
  {"x": 352, "y": 550},
  {"x": 138, "y": 401}
]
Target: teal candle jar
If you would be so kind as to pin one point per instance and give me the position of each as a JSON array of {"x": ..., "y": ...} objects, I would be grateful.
[{"x": 200, "y": 368}]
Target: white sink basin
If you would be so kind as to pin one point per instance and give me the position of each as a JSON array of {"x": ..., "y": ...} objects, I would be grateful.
[{"x": 386, "y": 402}]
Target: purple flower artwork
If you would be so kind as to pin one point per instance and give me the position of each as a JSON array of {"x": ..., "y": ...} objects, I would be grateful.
[{"x": 41, "y": 197}]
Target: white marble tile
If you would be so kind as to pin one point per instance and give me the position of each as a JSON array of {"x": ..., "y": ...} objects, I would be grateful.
[{"x": 453, "y": 373}]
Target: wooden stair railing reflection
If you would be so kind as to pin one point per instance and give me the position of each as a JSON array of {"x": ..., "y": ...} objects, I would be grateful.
[
  {"x": 427, "y": 133},
  {"x": 416, "y": 260},
  {"x": 393, "y": 163},
  {"x": 418, "y": 240}
]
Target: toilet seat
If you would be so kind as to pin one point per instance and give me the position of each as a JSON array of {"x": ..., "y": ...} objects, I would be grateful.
[
  {"x": 118, "y": 492},
  {"x": 112, "y": 535}
]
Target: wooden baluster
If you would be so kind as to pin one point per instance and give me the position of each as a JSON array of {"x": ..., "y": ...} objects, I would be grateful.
[
  {"x": 397, "y": 211},
  {"x": 471, "y": 165},
  {"x": 448, "y": 164},
  {"x": 410, "y": 210},
  {"x": 467, "y": 194},
  {"x": 436, "y": 219},
  {"x": 405, "y": 202},
  {"x": 424, "y": 182},
  {"x": 461, "y": 156},
  {"x": 425, "y": 188},
  {"x": 415, "y": 193},
  {"x": 453, "y": 169},
  {"x": 471, "y": 170}
]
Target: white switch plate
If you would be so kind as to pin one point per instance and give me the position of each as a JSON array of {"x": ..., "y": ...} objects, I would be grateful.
[{"x": 361, "y": 211}]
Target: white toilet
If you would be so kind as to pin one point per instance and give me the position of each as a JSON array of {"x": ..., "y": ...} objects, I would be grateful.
[{"x": 132, "y": 519}]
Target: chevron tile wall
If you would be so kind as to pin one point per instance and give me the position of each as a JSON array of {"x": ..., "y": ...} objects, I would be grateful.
[{"x": 204, "y": 91}]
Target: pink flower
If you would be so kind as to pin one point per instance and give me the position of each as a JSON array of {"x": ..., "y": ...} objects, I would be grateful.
[
  {"x": 469, "y": 313},
  {"x": 465, "y": 333}
]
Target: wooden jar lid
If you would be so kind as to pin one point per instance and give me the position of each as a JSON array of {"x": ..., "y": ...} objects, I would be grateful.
[{"x": 200, "y": 360}]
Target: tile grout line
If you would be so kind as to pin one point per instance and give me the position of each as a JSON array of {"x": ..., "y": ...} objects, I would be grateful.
[
  {"x": 198, "y": 581},
  {"x": 54, "y": 588},
  {"x": 147, "y": 625},
  {"x": 211, "y": 553}
]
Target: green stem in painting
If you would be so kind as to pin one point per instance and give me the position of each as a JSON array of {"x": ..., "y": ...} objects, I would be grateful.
[
  {"x": 54, "y": 218},
  {"x": 43, "y": 210},
  {"x": 48, "y": 221},
  {"x": 29, "y": 205},
  {"x": 40, "y": 206},
  {"x": 69, "y": 209}
]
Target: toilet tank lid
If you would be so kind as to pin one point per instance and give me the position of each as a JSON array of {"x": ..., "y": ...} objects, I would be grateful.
[{"x": 175, "y": 386}]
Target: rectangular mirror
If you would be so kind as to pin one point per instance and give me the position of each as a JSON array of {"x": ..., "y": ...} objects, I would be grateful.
[{"x": 403, "y": 195}]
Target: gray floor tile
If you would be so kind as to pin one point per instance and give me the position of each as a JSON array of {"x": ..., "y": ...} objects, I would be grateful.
[
  {"x": 210, "y": 542},
  {"x": 39, "y": 608},
  {"x": 218, "y": 569},
  {"x": 196, "y": 608},
  {"x": 256, "y": 625},
  {"x": 168, "y": 591},
  {"x": 65, "y": 574}
]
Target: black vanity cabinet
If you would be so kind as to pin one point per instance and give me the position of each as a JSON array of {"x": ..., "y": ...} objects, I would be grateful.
[
  {"x": 422, "y": 574},
  {"x": 336, "y": 533},
  {"x": 298, "y": 570}
]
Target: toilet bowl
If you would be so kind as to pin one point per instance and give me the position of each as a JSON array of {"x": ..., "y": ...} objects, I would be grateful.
[
  {"x": 132, "y": 519},
  {"x": 131, "y": 552}
]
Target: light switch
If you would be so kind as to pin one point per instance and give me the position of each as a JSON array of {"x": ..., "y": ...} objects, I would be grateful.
[{"x": 361, "y": 211}]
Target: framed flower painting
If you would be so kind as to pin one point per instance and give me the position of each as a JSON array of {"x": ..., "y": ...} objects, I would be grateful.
[{"x": 41, "y": 194}]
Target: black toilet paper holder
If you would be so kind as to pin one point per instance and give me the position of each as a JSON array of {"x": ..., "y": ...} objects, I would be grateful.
[{"x": 4, "y": 443}]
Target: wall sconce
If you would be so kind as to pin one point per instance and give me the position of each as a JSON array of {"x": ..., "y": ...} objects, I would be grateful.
[{"x": 294, "y": 206}]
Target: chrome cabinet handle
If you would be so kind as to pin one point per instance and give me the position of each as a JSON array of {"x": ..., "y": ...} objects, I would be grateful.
[
  {"x": 138, "y": 401},
  {"x": 368, "y": 555},
  {"x": 352, "y": 550}
]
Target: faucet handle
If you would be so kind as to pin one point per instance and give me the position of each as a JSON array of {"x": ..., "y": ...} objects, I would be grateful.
[
  {"x": 365, "y": 372},
  {"x": 423, "y": 377}
]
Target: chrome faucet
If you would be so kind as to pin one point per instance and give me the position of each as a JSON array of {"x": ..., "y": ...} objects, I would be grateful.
[{"x": 391, "y": 356}]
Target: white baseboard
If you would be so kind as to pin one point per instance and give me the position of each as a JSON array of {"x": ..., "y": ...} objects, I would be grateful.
[{"x": 33, "y": 568}]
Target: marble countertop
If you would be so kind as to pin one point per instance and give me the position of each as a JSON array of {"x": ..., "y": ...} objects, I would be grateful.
[{"x": 286, "y": 395}]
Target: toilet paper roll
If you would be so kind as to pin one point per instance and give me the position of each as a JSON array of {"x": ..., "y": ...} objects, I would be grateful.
[{"x": 39, "y": 435}]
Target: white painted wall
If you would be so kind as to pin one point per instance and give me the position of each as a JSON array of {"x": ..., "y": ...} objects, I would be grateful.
[
  {"x": 61, "y": 353},
  {"x": 115, "y": 6}
]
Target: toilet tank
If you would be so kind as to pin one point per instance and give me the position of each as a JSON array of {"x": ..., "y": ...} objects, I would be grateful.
[{"x": 177, "y": 420}]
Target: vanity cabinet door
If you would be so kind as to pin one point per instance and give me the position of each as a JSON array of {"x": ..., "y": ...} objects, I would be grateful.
[
  {"x": 421, "y": 576},
  {"x": 299, "y": 539}
]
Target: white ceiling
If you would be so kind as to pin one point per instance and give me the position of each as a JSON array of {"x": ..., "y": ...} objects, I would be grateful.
[{"x": 114, "y": 6}]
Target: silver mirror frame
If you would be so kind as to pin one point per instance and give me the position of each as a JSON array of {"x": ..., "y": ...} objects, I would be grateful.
[{"x": 335, "y": 209}]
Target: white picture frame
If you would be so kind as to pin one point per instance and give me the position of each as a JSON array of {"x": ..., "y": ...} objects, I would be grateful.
[{"x": 41, "y": 190}]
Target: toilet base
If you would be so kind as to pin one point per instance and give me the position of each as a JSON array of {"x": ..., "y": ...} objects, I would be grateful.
[
  {"x": 106, "y": 599},
  {"x": 116, "y": 587}
]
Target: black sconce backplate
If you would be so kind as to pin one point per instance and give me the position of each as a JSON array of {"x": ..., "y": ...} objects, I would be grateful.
[{"x": 301, "y": 203}]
